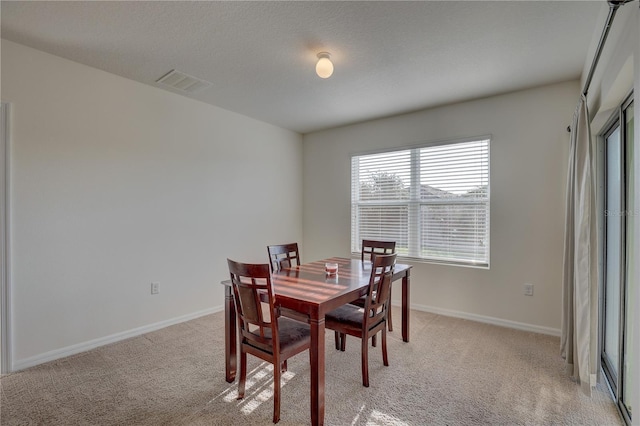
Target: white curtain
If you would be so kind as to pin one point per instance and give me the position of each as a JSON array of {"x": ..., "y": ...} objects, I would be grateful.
[{"x": 579, "y": 340}]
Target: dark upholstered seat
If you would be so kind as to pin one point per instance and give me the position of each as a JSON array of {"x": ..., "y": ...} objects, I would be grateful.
[
  {"x": 291, "y": 333},
  {"x": 347, "y": 315}
]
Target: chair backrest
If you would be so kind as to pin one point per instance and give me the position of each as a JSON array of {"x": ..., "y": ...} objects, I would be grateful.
[
  {"x": 282, "y": 256},
  {"x": 371, "y": 247},
  {"x": 251, "y": 286},
  {"x": 379, "y": 291}
]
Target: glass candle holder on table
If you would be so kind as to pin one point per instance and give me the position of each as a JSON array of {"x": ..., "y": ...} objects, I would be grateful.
[{"x": 331, "y": 268}]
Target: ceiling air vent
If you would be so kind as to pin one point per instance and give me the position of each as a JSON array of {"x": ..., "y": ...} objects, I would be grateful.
[{"x": 183, "y": 82}]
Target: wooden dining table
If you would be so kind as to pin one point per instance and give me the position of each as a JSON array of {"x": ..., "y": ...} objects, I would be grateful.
[{"x": 307, "y": 289}]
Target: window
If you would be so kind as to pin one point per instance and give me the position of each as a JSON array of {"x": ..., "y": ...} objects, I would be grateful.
[{"x": 433, "y": 201}]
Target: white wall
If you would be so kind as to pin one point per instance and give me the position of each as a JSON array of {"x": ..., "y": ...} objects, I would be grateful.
[
  {"x": 116, "y": 184},
  {"x": 529, "y": 151}
]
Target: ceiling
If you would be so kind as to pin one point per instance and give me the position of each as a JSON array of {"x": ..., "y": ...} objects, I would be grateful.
[{"x": 390, "y": 57}]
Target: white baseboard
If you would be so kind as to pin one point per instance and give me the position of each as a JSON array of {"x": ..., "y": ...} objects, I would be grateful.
[
  {"x": 488, "y": 320},
  {"x": 92, "y": 344}
]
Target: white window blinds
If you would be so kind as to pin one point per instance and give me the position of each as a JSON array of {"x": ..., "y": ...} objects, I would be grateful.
[{"x": 433, "y": 201}]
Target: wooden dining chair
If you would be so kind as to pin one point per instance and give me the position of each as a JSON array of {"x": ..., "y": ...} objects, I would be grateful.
[
  {"x": 369, "y": 249},
  {"x": 366, "y": 323},
  {"x": 282, "y": 256},
  {"x": 266, "y": 335}
]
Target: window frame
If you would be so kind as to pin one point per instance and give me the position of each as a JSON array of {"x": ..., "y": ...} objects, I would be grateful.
[{"x": 414, "y": 203}]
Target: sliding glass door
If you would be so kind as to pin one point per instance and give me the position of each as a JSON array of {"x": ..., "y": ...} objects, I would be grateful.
[
  {"x": 618, "y": 287},
  {"x": 614, "y": 251},
  {"x": 633, "y": 211}
]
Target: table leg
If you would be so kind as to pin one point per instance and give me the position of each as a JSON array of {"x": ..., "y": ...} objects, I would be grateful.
[
  {"x": 317, "y": 358},
  {"x": 230, "y": 339},
  {"x": 406, "y": 280}
]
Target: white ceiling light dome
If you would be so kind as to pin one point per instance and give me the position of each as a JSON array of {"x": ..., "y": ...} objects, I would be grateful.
[{"x": 324, "y": 67}]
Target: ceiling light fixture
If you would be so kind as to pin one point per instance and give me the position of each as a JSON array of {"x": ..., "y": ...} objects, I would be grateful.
[{"x": 324, "y": 67}]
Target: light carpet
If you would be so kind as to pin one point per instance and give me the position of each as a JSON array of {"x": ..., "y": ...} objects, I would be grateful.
[{"x": 452, "y": 372}]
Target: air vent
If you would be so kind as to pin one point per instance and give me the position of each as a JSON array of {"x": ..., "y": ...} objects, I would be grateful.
[{"x": 183, "y": 82}]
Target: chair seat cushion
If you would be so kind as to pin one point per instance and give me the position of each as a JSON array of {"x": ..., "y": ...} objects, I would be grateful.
[
  {"x": 346, "y": 314},
  {"x": 292, "y": 333}
]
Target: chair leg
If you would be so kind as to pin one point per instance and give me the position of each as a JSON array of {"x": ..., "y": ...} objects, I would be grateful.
[
  {"x": 365, "y": 361},
  {"x": 389, "y": 322},
  {"x": 338, "y": 340},
  {"x": 276, "y": 395},
  {"x": 343, "y": 341},
  {"x": 242, "y": 380},
  {"x": 385, "y": 357},
  {"x": 374, "y": 340},
  {"x": 284, "y": 366}
]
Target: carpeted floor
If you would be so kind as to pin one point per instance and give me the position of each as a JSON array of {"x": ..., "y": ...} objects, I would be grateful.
[{"x": 453, "y": 372}]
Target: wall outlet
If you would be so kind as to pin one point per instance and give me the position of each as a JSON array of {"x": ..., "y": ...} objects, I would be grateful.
[
  {"x": 155, "y": 288},
  {"x": 528, "y": 289}
]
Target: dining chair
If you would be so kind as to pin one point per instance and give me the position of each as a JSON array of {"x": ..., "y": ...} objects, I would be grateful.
[
  {"x": 366, "y": 323},
  {"x": 282, "y": 256},
  {"x": 266, "y": 335},
  {"x": 369, "y": 249}
]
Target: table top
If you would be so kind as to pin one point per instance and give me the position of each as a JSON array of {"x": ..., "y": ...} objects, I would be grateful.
[
  {"x": 309, "y": 289},
  {"x": 309, "y": 284}
]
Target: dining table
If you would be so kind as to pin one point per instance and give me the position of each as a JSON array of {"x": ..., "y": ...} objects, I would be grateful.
[{"x": 309, "y": 290}]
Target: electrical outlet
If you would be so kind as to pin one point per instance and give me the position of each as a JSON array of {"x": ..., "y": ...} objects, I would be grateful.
[
  {"x": 528, "y": 289},
  {"x": 155, "y": 288}
]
